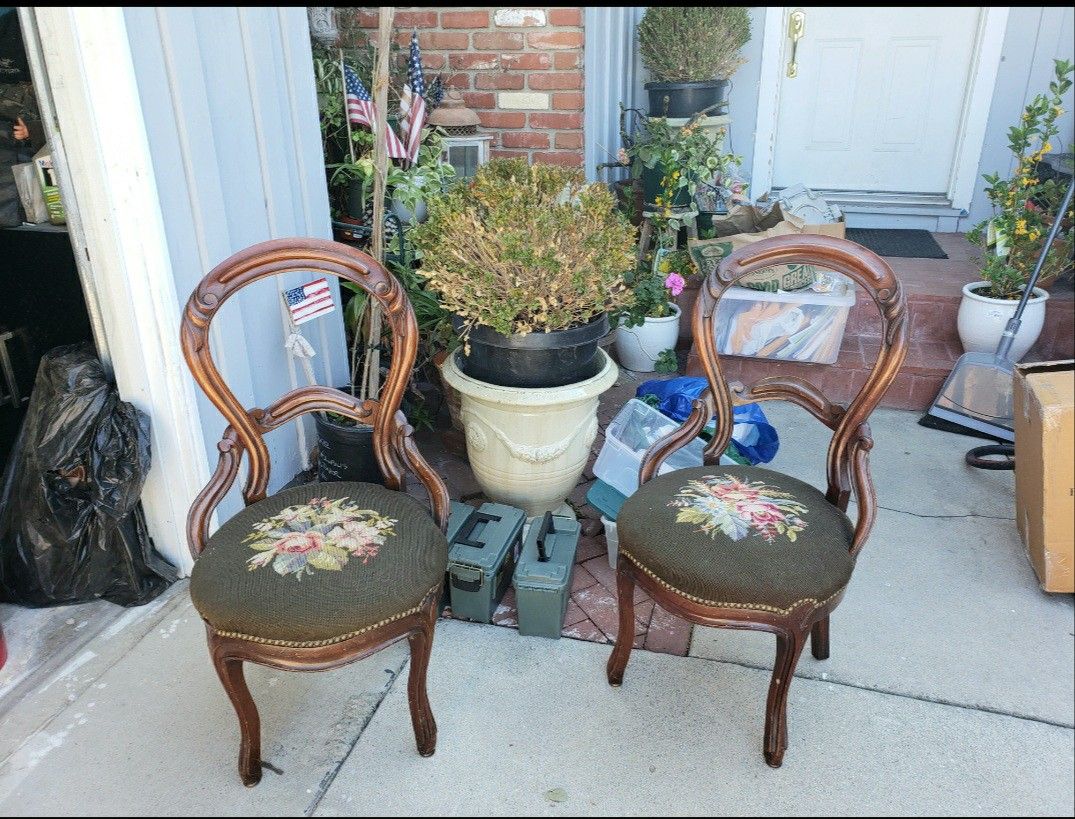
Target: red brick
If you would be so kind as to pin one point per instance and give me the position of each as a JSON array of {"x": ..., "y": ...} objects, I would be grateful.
[
  {"x": 568, "y": 101},
  {"x": 555, "y": 39},
  {"x": 499, "y": 154},
  {"x": 469, "y": 61},
  {"x": 565, "y": 17},
  {"x": 415, "y": 19},
  {"x": 563, "y": 122},
  {"x": 502, "y": 119},
  {"x": 564, "y": 59},
  {"x": 367, "y": 19},
  {"x": 479, "y": 100},
  {"x": 569, "y": 159},
  {"x": 529, "y": 61},
  {"x": 436, "y": 40},
  {"x": 569, "y": 139},
  {"x": 500, "y": 81},
  {"x": 464, "y": 19},
  {"x": 497, "y": 41},
  {"x": 460, "y": 81},
  {"x": 667, "y": 633},
  {"x": 525, "y": 139},
  {"x": 434, "y": 61},
  {"x": 556, "y": 81}
]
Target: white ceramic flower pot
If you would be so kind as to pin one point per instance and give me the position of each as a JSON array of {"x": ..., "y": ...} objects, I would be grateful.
[
  {"x": 406, "y": 216},
  {"x": 638, "y": 348},
  {"x": 528, "y": 446},
  {"x": 981, "y": 321}
]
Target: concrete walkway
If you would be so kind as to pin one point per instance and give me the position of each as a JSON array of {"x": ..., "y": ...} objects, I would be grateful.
[{"x": 949, "y": 691}]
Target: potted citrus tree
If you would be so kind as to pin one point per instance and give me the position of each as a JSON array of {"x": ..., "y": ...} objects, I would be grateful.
[
  {"x": 691, "y": 51},
  {"x": 531, "y": 261},
  {"x": 1023, "y": 211}
]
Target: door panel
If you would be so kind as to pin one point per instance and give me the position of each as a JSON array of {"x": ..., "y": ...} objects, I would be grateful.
[{"x": 878, "y": 99}]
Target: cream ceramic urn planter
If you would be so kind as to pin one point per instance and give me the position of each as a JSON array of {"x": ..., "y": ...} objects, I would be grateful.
[
  {"x": 529, "y": 445},
  {"x": 981, "y": 321}
]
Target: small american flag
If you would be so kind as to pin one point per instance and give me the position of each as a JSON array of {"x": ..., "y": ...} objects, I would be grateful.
[
  {"x": 309, "y": 301},
  {"x": 360, "y": 111},
  {"x": 412, "y": 104}
]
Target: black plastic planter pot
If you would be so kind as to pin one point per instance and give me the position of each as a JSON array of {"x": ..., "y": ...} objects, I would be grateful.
[
  {"x": 536, "y": 359},
  {"x": 678, "y": 100},
  {"x": 651, "y": 189},
  {"x": 345, "y": 453}
]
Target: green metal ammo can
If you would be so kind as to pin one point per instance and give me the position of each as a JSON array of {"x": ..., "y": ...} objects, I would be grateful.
[
  {"x": 543, "y": 576},
  {"x": 482, "y": 552}
]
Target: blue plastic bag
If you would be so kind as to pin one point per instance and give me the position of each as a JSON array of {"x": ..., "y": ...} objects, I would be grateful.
[{"x": 754, "y": 438}]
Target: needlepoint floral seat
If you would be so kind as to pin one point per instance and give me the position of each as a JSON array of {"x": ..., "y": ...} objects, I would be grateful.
[
  {"x": 738, "y": 536},
  {"x": 317, "y": 564}
]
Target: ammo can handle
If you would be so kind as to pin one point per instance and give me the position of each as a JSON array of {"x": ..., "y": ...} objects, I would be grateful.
[
  {"x": 545, "y": 530},
  {"x": 463, "y": 538}
]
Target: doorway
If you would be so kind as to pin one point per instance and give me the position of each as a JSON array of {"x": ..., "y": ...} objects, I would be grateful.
[{"x": 886, "y": 106}]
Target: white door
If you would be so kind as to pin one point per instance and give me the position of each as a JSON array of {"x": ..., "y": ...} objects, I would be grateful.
[{"x": 878, "y": 100}]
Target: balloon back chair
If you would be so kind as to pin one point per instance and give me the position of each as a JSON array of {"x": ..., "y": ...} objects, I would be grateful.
[
  {"x": 750, "y": 548},
  {"x": 320, "y": 575}
]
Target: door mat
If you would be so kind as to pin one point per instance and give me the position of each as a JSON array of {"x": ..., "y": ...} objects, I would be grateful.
[{"x": 906, "y": 244}]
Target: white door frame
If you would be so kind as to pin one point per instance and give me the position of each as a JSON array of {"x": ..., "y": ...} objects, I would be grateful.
[
  {"x": 992, "y": 25},
  {"x": 106, "y": 177}
]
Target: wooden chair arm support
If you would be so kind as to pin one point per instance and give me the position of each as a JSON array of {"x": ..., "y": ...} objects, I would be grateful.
[
  {"x": 701, "y": 412},
  {"x": 865, "y": 495},
  {"x": 795, "y": 390},
  {"x": 408, "y": 453},
  {"x": 201, "y": 511}
]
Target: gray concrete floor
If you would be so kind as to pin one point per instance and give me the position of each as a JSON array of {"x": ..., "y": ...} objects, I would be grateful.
[{"x": 949, "y": 691}]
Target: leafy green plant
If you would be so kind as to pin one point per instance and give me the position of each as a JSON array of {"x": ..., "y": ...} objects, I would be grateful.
[
  {"x": 525, "y": 248},
  {"x": 686, "y": 156},
  {"x": 654, "y": 287},
  {"x": 693, "y": 43},
  {"x": 1024, "y": 206},
  {"x": 426, "y": 178},
  {"x": 667, "y": 362}
]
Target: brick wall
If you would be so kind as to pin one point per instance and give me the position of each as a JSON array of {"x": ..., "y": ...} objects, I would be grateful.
[{"x": 519, "y": 68}]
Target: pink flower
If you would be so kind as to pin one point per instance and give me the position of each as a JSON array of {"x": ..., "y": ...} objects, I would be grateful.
[
  {"x": 675, "y": 283},
  {"x": 298, "y": 543}
]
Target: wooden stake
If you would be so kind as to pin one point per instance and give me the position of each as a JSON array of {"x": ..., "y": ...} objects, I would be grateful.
[
  {"x": 346, "y": 116},
  {"x": 380, "y": 172}
]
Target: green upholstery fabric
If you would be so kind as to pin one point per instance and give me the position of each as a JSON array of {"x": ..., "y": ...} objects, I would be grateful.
[
  {"x": 318, "y": 563},
  {"x": 740, "y": 535}
]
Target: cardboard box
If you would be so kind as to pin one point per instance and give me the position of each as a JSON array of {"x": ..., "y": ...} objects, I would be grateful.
[
  {"x": 1044, "y": 409},
  {"x": 746, "y": 224}
]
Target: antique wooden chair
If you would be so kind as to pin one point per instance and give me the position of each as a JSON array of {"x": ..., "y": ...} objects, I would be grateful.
[
  {"x": 319, "y": 575},
  {"x": 746, "y": 547}
]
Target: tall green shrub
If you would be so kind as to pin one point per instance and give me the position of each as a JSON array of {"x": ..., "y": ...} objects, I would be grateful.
[{"x": 693, "y": 43}]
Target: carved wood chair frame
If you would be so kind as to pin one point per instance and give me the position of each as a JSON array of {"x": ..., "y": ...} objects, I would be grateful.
[
  {"x": 393, "y": 445},
  {"x": 847, "y": 463}
]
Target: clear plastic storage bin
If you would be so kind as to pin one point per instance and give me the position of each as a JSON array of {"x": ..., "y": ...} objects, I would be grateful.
[
  {"x": 634, "y": 429},
  {"x": 804, "y": 325}
]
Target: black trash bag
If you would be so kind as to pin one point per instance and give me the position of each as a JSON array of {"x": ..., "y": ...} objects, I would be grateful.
[{"x": 71, "y": 525}]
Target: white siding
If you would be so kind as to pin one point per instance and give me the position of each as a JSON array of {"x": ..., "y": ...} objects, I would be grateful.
[{"x": 231, "y": 117}]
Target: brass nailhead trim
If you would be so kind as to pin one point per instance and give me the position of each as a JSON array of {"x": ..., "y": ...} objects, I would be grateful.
[
  {"x": 720, "y": 605},
  {"x": 340, "y": 639}
]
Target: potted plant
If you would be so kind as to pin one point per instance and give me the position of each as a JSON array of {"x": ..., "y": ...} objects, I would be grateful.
[
  {"x": 691, "y": 51},
  {"x": 648, "y": 329},
  {"x": 673, "y": 160},
  {"x": 1023, "y": 208},
  {"x": 530, "y": 260},
  {"x": 429, "y": 176}
]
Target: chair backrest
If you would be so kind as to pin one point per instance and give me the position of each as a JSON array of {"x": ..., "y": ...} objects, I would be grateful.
[
  {"x": 851, "y": 434},
  {"x": 247, "y": 427}
]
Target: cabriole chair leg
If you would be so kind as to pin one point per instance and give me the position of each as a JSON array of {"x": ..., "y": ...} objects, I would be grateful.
[
  {"x": 230, "y": 671},
  {"x": 625, "y": 636},
  {"x": 425, "y": 727},
  {"x": 788, "y": 648}
]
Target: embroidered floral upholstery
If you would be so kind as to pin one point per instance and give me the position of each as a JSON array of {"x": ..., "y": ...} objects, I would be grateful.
[
  {"x": 738, "y": 534},
  {"x": 318, "y": 562}
]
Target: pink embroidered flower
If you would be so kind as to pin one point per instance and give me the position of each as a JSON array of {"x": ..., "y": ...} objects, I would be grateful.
[
  {"x": 675, "y": 283},
  {"x": 299, "y": 543}
]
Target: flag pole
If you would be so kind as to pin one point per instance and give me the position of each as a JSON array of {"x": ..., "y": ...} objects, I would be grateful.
[
  {"x": 346, "y": 116},
  {"x": 380, "y": 172}
]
